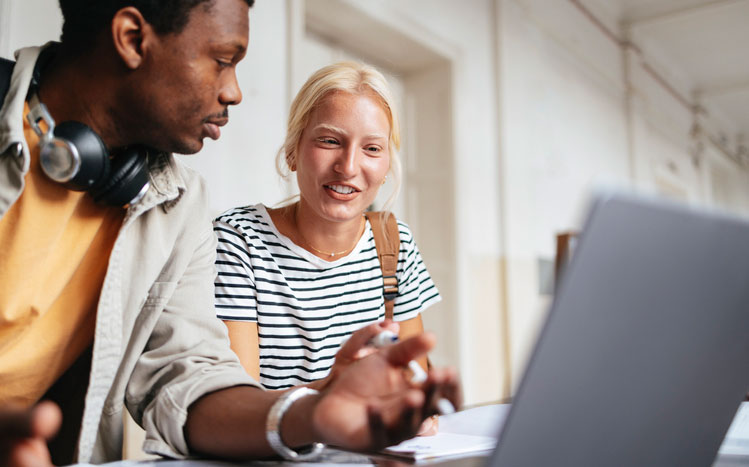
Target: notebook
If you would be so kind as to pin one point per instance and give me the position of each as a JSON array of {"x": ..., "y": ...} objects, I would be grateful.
[{"x": 468, "y": 432}]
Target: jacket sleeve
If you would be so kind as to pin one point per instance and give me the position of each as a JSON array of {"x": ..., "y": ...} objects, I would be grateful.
[{"x": 187, "y": 355}]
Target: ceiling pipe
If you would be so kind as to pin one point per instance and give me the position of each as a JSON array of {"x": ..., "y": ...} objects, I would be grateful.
[
  {"x": 624, "y": 44},
  {"x": 681, "y": 12},
  {"x": 598, "y": 23},
  {"x": 694, "y": 108}
]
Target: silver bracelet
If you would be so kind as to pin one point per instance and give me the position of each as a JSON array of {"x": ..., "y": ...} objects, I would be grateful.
[{"x": 273, "y": 426}]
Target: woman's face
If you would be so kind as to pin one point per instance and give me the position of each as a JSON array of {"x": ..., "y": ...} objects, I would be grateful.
[{"x": 343, "y": 156}]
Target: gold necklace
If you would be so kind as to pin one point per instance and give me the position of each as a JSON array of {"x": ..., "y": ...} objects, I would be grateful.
[
  {"x": 325, "y": 252},
  {"x": 329, "y": 254}
]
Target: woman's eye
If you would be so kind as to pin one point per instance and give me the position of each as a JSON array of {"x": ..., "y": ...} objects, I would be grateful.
[
  {"x": 223, "y": 63},
  {"x": 373, "y": 149},
  {"x": 328, "y": 140}
]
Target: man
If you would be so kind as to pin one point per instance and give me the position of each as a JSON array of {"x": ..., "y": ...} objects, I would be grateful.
[{"x": 123, "y": 297}]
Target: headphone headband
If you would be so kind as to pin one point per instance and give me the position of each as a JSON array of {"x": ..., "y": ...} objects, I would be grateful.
[{"x": 42, "y": 62}]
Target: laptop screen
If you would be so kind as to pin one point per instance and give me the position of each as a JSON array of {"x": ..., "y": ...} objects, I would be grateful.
[{"x": 644, "y": 357}]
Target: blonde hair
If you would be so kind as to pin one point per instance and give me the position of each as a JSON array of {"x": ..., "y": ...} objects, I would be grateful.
[{"x": 351, "y": 77}]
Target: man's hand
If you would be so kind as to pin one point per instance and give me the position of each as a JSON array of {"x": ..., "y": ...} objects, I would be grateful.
[
  {"x": 371, "y": 403},
  {"x": 24, "y": 434},
  {"x": 355, "y": 348}
]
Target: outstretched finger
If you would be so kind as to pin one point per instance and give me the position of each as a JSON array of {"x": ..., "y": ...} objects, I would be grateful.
[
  {"x": 41, "y": 421},
  {"x": 401, "y": 353},
  {"x": 24, "y": 434},
  {"x": 46, "y": 419}
]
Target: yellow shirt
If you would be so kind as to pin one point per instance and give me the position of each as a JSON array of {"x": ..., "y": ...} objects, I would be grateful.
[{"x": 54, "y": 249}]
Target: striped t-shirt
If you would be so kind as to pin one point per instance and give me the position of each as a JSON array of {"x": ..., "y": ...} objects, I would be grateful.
[{"x": 304, "y": 306}]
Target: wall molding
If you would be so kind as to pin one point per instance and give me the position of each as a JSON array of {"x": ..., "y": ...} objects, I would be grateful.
[{"x": 5, "y": 15}]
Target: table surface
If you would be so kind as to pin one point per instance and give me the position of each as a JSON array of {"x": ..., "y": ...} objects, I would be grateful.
[
  {"x": 340, "y": 458},
  {"x": 479, "y": 421}
]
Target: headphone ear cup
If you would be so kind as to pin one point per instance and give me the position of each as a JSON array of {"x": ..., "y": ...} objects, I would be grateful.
[
  {"x": 128, "y": 180},
  {"x": 75, "y": 156}
]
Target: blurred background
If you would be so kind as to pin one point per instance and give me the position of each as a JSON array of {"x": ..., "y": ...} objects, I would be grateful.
[{"x": 514, "y": 111}]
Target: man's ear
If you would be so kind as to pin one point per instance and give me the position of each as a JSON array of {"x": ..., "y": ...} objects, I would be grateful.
[{"x": 130, "y": 36}]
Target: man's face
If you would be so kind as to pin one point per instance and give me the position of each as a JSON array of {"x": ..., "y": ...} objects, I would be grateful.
[{"x": 189, "y": 79}]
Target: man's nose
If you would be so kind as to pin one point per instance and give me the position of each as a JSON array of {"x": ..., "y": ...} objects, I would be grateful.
[{"x": 230, "y": 93}]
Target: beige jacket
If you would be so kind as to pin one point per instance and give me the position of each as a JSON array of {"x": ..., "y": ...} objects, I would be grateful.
[{"x": 158, "y": 345}]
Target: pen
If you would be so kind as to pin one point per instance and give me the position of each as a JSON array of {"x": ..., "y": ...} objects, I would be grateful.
[{"x": 418, "y": 375}]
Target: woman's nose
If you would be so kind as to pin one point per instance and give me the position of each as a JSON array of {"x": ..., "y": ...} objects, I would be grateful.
[{"x": 347, "y": 162}]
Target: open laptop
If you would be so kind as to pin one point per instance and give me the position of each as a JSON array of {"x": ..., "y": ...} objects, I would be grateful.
[{"x": 644, "y": 357}]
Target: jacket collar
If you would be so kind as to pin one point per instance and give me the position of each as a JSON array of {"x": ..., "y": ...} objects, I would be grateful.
[
  {"x": 167, "y": 184},
  {"x": 11, "y": 113}
]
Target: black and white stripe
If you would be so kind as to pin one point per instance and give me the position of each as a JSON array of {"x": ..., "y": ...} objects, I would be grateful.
[{"x": 306, "y": 307}]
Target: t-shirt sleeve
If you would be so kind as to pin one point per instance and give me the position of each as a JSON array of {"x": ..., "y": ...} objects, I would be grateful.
[
  {"x": 236, "y": 294},
  {"x": 416, "y": 290}
]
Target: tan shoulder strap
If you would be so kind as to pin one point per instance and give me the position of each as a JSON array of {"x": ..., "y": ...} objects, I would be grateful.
[{"x": 387, "y": 242}]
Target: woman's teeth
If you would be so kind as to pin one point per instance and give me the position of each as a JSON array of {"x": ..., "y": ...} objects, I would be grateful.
[{"x": 344, "y": 190}]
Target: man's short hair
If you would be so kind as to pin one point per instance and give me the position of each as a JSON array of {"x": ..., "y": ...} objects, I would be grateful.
[{"x": 85, "y": 19}]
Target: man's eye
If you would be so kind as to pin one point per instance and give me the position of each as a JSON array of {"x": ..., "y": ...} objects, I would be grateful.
[{"x": 223, "y": 63}]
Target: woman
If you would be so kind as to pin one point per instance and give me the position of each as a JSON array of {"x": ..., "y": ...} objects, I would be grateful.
[{"x": 294, "y": 282}]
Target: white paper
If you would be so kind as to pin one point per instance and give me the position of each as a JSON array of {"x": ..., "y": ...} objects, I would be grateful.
[
  {"x": 485, "y": 420},
  {"x": 473, "y": 431},
  {"x": 442, "y": 445},
  {"x": 115, "y": 464},
  {"x": 736, "y": 442}
]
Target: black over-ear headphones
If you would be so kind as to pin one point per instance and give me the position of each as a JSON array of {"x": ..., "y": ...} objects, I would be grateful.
[{"x": 73, "y": 154}]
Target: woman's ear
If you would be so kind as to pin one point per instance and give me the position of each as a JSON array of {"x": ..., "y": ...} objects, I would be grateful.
[
  {"x": 291, "y": 161},
  {"x": 131, "y": 34}
]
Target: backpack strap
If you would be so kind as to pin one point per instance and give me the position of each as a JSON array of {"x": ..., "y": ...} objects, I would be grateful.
[
  {"x": 6, "y": 71},
  {"x": 388, "y": 248}
]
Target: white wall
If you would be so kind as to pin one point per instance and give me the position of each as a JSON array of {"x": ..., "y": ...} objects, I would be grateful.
[
  {"x": 563, "y": 132},
  {"x": 240, "y": 166},
  {"x": 28, "y": 22},
  {"x": 578, "y": 111}
]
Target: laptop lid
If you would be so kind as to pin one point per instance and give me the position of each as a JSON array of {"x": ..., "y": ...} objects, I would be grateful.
[{"x": 644, "y": 357}]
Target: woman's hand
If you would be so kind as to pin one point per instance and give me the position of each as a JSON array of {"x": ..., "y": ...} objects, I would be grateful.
[{"x": 429, "y": 427}]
